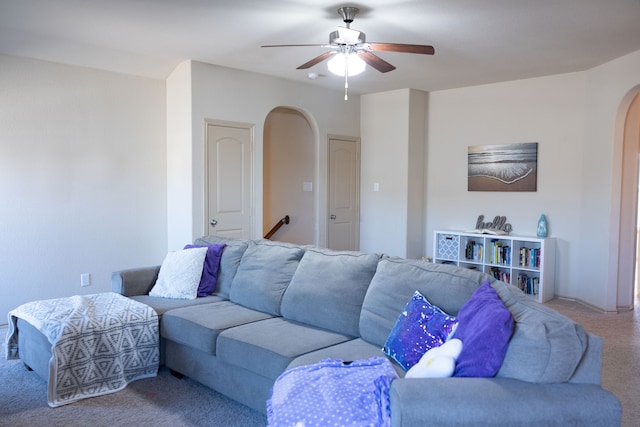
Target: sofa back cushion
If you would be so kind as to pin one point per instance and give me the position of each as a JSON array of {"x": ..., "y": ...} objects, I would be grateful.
[
  {"x": 263, "y": 275},
  {"x": 328, "y": 288},
  {"x": 395, "y": 282},
  {"x": 229, "y": 262},
  {"x": 546, "y": 347}
]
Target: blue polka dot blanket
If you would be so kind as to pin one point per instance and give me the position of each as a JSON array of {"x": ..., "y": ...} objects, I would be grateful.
[{"x": 333, "y": 393}]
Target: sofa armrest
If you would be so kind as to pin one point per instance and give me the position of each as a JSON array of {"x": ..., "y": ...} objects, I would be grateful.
[
  {"x": 500, "y": 402},
  {"x": 135, "y": 281}
]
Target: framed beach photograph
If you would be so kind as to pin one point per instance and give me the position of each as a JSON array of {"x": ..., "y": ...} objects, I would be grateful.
[{"x": 509, "y": 167}]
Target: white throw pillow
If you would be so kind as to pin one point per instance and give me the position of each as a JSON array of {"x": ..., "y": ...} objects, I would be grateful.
[
  {"x": 438, "y": 362},
  {"x": 180, "y": 274}
]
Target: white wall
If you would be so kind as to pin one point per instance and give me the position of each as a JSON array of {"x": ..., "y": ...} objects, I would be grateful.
[
  {"x": 573, "y": 118},
  {"x": 232, "y": 95},
  {"x": 610, "y": 88},
  {"x": 416, "y": 190},
  {"x": 82, "y": 178},
  {"x": 392, "y": 153},
  {"x": 179, "y": 155}
]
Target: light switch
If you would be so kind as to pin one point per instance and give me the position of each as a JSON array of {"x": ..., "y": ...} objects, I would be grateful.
[
  {"x": 307, "y": 186},
  {"x": 376, "y": 187}
]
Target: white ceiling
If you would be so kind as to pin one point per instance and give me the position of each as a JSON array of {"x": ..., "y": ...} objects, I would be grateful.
[{"x": 476, "y": 41}]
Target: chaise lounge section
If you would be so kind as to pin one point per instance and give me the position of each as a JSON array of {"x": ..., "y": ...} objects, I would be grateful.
[{"x": 278, "y": 306}]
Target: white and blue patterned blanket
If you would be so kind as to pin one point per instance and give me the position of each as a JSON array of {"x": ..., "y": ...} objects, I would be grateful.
[{"x": 99, "y": 343}]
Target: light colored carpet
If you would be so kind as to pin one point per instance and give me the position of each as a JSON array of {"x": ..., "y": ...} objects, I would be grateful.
[
  {"x": 620, "y": 354},
  {"x": 166, "y": 400},
  {"x": 160, "y": 401}
]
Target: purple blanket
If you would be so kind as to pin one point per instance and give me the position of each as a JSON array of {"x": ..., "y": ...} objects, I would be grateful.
[{"x": 333, "y": 393}]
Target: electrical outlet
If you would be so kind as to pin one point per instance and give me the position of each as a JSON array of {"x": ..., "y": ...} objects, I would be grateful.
[{"x": 85, "y": 279}]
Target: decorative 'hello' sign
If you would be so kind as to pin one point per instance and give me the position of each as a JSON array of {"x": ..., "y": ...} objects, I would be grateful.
[{"x": 499, "y": 223}]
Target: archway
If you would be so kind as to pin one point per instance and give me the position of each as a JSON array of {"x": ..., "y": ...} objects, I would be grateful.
[
  {"x": 627, "y": 237},
  {"x": 290, "y": 176}
]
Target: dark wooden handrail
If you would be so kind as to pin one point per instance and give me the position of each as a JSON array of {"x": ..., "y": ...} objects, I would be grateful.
[{"x": 276, "y": 227}]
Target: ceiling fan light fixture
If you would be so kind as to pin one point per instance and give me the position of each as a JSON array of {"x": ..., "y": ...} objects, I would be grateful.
[
  {"x": 350, "y": 53},
  {"x": 344, "y": 35},
  {"x": 346, "y": 64}
]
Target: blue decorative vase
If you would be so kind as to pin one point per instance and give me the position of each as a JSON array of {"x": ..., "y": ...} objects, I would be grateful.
[{"x": 542, "y": 226}]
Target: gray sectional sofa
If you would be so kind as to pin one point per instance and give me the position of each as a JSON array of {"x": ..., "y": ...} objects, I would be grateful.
[{"x": 279, "y": 306}]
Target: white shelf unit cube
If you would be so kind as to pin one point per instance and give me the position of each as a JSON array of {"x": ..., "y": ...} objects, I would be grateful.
[{"x": 526, "y": 262}]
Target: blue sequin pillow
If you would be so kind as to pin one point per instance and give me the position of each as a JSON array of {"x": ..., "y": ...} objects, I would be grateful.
[{"x": 420, "y": 327}]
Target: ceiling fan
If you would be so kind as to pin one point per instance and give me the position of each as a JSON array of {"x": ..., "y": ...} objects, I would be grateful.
[{"x": 350, "y": 51}]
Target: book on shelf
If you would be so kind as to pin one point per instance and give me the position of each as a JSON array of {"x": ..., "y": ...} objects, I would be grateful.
[
  {"x": 500, "y": 253},
  {"x": 493, "y": 231},
  {"x": 474, "y": 251},
  {"x": 500, "y": 274},
  {"x": 530, "y": 257},
  {"x": 528, "y": 285}
]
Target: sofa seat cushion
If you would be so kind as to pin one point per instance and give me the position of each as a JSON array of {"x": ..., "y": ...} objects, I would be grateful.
[
  {"x": 199, "y": 326},
  {"x": 328, "y": 288},
  {"x": 356, "y": 349},
  {"x": 264, "y": 273},
  {"x": 162, "y": 305},
  {"x": 545, "y": 347},
  {"x": 395, "y": 282},
  {"x": 267, "y": 347}
]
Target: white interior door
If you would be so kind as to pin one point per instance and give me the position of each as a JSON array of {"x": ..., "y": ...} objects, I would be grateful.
[
  {"x": 228, "y": 195},
  {"x": 344, "y": 198}
]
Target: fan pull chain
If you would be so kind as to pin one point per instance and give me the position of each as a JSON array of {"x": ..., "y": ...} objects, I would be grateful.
[
  {"x": 346, "y": 78},
  {"x": 346, "y": 87}
]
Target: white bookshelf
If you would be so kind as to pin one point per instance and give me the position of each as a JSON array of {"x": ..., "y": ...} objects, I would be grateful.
[{"x": 526, "y": 262}]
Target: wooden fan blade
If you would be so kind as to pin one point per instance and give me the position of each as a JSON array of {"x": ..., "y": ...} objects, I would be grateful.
[
  {"x": 293, "y": 45},
  {"x": 316, "y": 60},
  {"x": 376, "y": 62},
  {"x": 404, "y": 48}
]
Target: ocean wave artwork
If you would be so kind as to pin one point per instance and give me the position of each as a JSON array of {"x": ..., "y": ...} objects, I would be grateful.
[{"x": 502, "y": 167}]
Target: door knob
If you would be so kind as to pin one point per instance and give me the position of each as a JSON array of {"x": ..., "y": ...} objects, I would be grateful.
[
  {"x": 213, "y": 222},
  {"x": 332, "y": 216}
]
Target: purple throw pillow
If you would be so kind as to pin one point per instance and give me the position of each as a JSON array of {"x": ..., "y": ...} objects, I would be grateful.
[
  {"x": 420, "y": 327},
  {"x": 485, "y": 329},
  {"x": 210, "y": 270}
]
